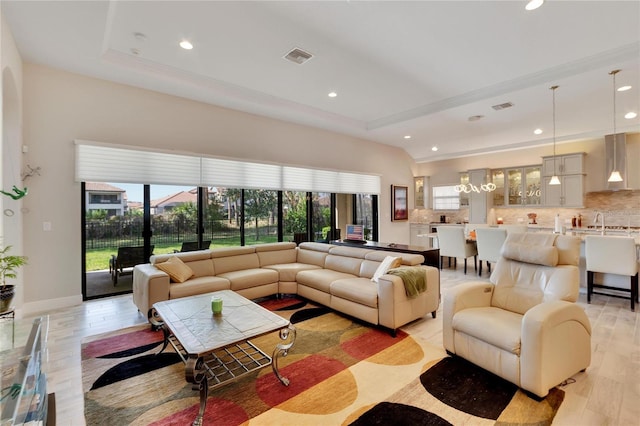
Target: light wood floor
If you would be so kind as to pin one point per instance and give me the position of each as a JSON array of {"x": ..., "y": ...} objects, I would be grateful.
[{"x": 608, "y": 393}]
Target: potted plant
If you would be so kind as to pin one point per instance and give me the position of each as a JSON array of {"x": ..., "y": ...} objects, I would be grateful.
[{"x": 8, "y": 266}]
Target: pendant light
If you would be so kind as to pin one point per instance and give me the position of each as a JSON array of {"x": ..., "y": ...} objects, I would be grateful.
[
  {"x": 615, "y": 174},
  {"x": 554, "y": 179}
]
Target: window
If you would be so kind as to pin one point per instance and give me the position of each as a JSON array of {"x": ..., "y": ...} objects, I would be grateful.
[{"x": 445, "y": 198}]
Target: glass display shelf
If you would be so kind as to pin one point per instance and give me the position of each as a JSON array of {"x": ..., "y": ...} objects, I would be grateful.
[{"x": 23, "y": 383}]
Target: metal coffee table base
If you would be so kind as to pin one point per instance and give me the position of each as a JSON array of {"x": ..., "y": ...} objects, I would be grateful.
[{"x": 223, "y": 365}]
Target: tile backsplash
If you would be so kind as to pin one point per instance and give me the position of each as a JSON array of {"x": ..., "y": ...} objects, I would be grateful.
[{"x": 627, "y": 201}]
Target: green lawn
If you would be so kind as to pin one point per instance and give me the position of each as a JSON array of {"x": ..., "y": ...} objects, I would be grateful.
[{"x": 98, "y": 259}]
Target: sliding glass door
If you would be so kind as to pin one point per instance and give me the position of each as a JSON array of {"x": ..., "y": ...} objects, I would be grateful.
[{"x": 124, "y": 224}]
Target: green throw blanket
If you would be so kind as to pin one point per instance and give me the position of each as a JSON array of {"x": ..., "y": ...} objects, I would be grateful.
[{"x": 413, "y": 278}]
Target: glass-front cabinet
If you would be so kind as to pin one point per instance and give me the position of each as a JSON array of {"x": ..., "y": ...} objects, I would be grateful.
[
  {"x": 464, "y": 196},
  {"x": 522, "y": 186},
  {"x": 421, "y": 192},
  {"x": 497, "y": 177}
]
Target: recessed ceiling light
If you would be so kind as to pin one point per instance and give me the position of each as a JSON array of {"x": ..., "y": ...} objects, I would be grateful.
[
  {"x": 140, "y": 36},
  {"x": 623, "y": 88},
  {"x": 475, "y": 117},
  {"x": 538, "y": 131},
  {"x": 534, "y": 4},
  {"x": 332, "y": 94},
  {"x": 407, "y": 137},
  {"x": 434, "y": 148},
  {"x": 186, "y": 45},
  {"x": 630, "y": 115},
  {"x": 135, "y": 50}
]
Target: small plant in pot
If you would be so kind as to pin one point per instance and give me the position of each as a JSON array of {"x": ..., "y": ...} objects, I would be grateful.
[{"x": 8, "y": 269}]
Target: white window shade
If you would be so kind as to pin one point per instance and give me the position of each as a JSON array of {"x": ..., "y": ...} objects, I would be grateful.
[
  {"x": 240, "y": 174},
  {"x": 355, "y": 183},
  {"x": 97, "y": 163}
]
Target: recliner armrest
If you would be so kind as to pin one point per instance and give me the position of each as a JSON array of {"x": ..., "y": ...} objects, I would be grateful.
[
  {"x": 463, "y": 296},
  {"x": 555, "y": 344}
]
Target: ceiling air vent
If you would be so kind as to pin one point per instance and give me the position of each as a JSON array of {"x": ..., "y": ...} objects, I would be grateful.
[
  {"x": 502, "y": 106},
  {"x": 298, "y": 56}
]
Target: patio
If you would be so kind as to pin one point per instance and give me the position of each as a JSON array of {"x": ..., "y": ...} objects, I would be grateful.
[{"x": 99, "y": 284}]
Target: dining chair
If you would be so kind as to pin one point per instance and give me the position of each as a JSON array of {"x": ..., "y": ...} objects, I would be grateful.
[
  {"x": 616, "y": 255},
  {"x": 489, "y": 243},
  {"x": 453, "y": 244}
]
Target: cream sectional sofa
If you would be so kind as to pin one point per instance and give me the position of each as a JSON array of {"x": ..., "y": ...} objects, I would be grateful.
[{"x": 335, "y": 276}]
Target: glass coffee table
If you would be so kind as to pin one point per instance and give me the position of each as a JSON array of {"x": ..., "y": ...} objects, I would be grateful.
[{"x": 216, "y": 349}]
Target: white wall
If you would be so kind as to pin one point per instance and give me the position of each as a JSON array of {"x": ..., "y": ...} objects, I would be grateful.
[
  {"x": 60, "y": 107},
  {"x": 11, "y": 158}
]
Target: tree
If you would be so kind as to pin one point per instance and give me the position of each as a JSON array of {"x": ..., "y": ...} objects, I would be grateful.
[
  {"x": 259, "y": 204},
  {"x": 295, "y": 220}
]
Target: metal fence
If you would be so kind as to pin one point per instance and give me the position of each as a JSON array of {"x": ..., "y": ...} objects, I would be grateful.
[{"x": 107, "y": 233}]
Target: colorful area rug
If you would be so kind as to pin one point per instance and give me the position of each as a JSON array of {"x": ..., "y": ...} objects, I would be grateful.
[{"x": 341, "y": 371}]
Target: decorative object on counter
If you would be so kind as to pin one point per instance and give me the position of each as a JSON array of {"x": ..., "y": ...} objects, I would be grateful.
[
  {"x": 574, "y": 221},
  {"x": 557, "y": 228},
  {"x": 500, "y": 221},
  {"x": 554, "y": 179},
  {"x": 615, "y": 174},
  {"x": 532, "y": 217},
  {"x": 579, "y": 221}
]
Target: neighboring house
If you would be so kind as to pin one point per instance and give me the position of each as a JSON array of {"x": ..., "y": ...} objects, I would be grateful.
[
  {"x": 166, "y": 204},
  {"x": 102, "y": 196}
]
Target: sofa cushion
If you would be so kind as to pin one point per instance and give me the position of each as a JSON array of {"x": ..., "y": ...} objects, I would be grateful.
[
  {"x": 197, "y": 286},
  {"x": 536, "y": 248},
  {"x": 495, "y": 326},
  {"x": 276, "y": 257},
  {"x": 177, "y": 270},
  {"x": 313, "y": 253},
  {"x": 321, "y": 279},
  {"x": 235, "y": 263},
  {"x": 248, "y": 278},
  {"x": 359, "y": 290},
  {"x": 288, "y": 271},
  {"x": 408, "y": 259},
  {"x": 348, "y": 265}
]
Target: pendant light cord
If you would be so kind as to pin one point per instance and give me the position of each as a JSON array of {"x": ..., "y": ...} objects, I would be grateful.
[{"x": 615, "y": 156}]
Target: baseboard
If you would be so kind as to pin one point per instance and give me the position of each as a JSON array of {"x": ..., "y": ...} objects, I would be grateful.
[{"x": 50, "y": 304}]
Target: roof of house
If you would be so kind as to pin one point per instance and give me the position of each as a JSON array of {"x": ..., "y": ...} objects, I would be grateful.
[
  {"x": 181, "y": 197},
  {"x": 101, "y": 187}
]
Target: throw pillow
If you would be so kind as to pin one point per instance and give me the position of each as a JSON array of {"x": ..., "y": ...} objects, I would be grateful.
[
  {"x": 176, "y": 268},
  {"x": 388, "y": 263}
]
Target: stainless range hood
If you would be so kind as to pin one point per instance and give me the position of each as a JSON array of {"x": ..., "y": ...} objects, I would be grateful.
[{"x": 620, "y": 161}]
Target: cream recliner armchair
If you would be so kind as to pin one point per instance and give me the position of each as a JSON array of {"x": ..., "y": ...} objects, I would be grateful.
[{"x": 523, "y": 325}]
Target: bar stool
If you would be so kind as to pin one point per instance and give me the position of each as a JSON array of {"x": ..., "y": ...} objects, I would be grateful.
[{"x": 611, "y": 255}]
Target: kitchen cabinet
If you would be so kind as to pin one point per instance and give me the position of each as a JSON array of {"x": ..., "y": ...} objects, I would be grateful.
[
  {"x": 464, "y": 183},
  {"x": 421, "y": 192},
  {"x": 569, "y": 164},
  {"x": 479, "y": 202},
  {"x": 523, "y": 186},
  {"x": 497, "y": 177},
  {"x": 570, "y": 192}
]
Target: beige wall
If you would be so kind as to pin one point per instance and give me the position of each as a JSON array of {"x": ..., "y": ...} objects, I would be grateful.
[
  {"x": 60, "y": 107},
  {"x": 11, "y": 157}
]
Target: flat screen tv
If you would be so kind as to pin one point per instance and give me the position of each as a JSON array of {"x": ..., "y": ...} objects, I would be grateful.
[{"x": 355, "y": 233}]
